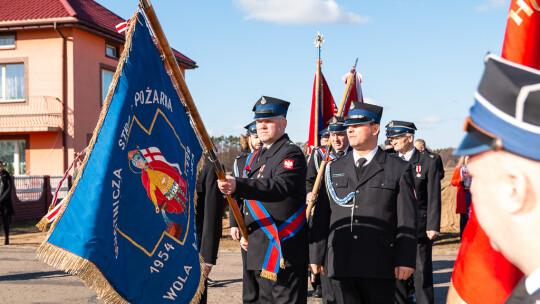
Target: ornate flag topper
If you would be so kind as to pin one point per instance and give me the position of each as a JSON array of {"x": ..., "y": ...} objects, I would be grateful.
[{"x": 318, "y": 40}]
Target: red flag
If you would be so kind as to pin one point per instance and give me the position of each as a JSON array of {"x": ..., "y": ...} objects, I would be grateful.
[
  {"x": 355, "y": 90},
  {"x": 326, "y": 109},
  {"x": 482, "y": 275},
  {"x": 522, "y": 38}
]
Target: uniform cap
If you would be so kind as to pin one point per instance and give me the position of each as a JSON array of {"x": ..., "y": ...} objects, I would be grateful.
[
  {"x": 324, "y": 133},
  {"x": 270, "y": 107},
  {"x": 505, "y": 114},
  {"x": 361, "y": 113},
  {"x": 252, "y": 128},
  {"x": 336, "y": 125},
  {"x": 397, "y": 128}
]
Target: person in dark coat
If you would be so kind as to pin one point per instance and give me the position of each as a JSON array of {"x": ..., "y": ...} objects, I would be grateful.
[
  {"x": 364, "y": 229},
  {"x": 250, "y": 143},
  {"x": 274, "y": 190},
  {"x": 340, "y": 146},
  {"x": 502, "y": 140},
  {"x": 420, "y": 145},
  {"x": 427, "y": 186},
  {"x": 6, "y": 205},
  {"x": 209, "y": 211}
]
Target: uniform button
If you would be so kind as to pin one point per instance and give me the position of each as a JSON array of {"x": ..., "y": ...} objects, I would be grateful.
[
  {"x": 247, "y": 213},
  {"x": 355, "y": 237},
  {"x": 355, "y": 206},
  {"x": 356, "y": 221},
  {"x": 249, "y": 228},
  {"x": 392, "y": 245},
  {"x": 357, "y": 191}
]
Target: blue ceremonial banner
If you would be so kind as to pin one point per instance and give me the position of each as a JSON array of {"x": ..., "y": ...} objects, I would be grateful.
[{"x": 128, "y": 224}]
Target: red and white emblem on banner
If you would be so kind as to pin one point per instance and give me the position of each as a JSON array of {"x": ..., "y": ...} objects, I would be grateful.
[
  {"x": 288, "y": 163},
  {"x": 122, "y": 27}
]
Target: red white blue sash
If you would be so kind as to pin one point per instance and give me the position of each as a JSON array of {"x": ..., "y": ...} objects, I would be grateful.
[{"x": 274, "y": 258}]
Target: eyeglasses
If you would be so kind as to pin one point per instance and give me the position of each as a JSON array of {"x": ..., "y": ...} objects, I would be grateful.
[{"x": 482, "y": 135}]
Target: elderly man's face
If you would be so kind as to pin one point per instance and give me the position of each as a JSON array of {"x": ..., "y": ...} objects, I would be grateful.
[
  {"x": 271, "y": 129},
  {"x": 339, "y": 141},
  {"x": 402, "y": 143}
]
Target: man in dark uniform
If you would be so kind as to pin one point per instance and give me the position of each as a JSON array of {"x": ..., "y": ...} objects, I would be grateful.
[
  {"x": 340, "y": 146},
  {"x": 6, "y": 205},
  {"x": 208, "y": 212},
  {"x": 503, "y": 136},
  {"x": 250, "y": 287},
  {"x": 420, "y": 145},
  {"x": 366, "y": 221},
  {"x": 427, "y": 186},
  {"x": 274, "y": 189}
]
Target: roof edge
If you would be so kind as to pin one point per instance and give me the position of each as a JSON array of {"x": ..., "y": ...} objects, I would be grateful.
[
  {"x": 68, "y": 8},
  {"x": 37, "y": 21}
]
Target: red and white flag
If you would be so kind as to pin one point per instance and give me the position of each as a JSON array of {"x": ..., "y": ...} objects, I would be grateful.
[
  {"x": 122, "y": 27},
  {"x": 355, "y": 92}
]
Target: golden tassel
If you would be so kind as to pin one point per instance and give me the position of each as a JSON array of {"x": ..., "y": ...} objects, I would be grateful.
[
  {"x": 268, "y": 275},
  {"x": 42, "y": 224},
  {"x": 282, "y": 263}
]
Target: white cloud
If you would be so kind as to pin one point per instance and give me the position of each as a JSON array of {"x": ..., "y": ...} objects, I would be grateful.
[
  {"x": 491, "y": 4},
  {"x": 430, "y": 120},
  {"x": 298, "y": 12}
]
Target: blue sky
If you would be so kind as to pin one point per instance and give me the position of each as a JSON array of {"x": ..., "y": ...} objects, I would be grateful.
[{"x": 420, "y": 60}]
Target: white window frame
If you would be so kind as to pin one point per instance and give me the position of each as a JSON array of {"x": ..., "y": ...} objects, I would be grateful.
[
  {"x": 112, "y": 47},
  {"x": 3, "y": 83},
  {"x": 8, "y": 47}
]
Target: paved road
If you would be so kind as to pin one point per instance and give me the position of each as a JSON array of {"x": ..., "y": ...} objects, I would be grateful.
[{"x": 23, "y": 279}]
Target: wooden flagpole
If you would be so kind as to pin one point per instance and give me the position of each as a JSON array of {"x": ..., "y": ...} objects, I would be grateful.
[
  {"x": 190, "y": 104},
  {"x": 317, "y": 183}
]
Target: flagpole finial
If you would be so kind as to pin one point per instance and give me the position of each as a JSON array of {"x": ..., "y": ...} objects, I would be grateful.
[{"x": 318, "y": 40}]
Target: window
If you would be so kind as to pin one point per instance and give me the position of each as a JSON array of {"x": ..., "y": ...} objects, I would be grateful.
[
  {"x": 106, "y": 79},
  {"x": 7, "y": 42},
  {"x": 111, "y": 51},
  {"x": 12, "y": 82},
  {"x": 12, "y": 153}
]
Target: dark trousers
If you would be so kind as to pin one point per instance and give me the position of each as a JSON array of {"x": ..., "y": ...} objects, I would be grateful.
[
  {"x": 290, "y": 287},
  {"x": 204, "y": 296},
  {"x": 464, "y": 217},
  {"x": 363, "y": 291},
  {"x": 327, "y": 291},
  {"x": 422, "y": 276},
  {"x": 5, "y": 222},
  {"x": 250, "y": 287}
]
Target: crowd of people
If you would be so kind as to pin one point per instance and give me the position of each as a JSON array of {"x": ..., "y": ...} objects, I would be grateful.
[
  {"x": 377, "y": 209},
  {"x": 369, "y": 236}
]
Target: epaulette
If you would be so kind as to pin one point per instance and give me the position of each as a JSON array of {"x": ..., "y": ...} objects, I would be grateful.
[{"x": 431, "y": 156}]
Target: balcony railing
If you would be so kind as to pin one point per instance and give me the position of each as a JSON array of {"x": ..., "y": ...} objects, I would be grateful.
[{"x": 40, "y": 113}]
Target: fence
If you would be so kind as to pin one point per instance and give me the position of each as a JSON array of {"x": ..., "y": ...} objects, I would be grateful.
[{"x": 34, "y": 194}]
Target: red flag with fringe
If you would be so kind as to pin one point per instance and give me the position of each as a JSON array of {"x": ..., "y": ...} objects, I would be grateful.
[{"x": 355, "y": 92}]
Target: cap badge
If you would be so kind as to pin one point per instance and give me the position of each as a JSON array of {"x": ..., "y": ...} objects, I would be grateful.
[{"x": 263, "y": 101}]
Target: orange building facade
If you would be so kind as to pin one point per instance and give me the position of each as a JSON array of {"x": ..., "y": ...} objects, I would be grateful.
[{"x": 55, "y": 69}]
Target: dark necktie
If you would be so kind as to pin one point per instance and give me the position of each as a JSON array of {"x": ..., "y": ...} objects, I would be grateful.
[
  {"x": 360, "y": 168},
  {"x": 340, "y": 154},
  {"x": 263, "y": 149}
]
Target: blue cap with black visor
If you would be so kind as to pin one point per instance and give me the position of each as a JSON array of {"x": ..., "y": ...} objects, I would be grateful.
[
  {"x": 506, "y": 111},
  {"x": 270, "y": 107},
  {"x": 361, "y": 113},
  {"x": 252, "y": 128},
  {"x": 397, "y": 128},
  {"x": 336, "y": 125}
]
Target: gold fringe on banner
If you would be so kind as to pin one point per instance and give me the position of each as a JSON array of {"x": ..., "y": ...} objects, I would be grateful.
[
  {"x": 42, "y": 224},
  {"x": 66, "y": 261}
]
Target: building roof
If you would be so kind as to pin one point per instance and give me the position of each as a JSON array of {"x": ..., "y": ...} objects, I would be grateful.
[{"x": 17, "y": 13}]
